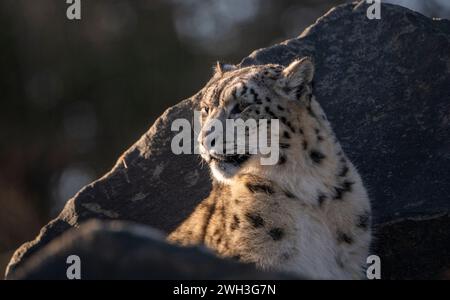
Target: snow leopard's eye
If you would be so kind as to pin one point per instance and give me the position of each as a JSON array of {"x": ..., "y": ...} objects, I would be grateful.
[
  {"x": 205, "y": 110},
  {"x": 237, "y": 108}
]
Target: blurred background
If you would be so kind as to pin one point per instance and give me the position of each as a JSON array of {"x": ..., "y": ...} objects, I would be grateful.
[{"x": 75, "y": 94}]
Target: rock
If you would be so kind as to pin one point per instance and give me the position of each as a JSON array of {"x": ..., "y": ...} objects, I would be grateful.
[
  {"x": 120, "y": 250},
  {"x": 384, "y": 85},
  {"x": 145, "y": 186},
  {"x": 415, "y": 249}
]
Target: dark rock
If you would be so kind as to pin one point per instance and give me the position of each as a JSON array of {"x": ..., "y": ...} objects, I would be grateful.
[
  {"x": 117, "y": 250},
  {"x": 385, "y": 86},
  {"x": 417, "y": 248},
  {"x": 148, "y": 185}
]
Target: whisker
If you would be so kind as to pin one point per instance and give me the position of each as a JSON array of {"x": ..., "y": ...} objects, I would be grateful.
[{"x": 193, "y": 127}]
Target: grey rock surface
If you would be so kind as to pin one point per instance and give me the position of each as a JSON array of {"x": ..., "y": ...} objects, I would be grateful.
[
  {"x": 385, "y": 86},
  {"x": 119, "y": 250}
]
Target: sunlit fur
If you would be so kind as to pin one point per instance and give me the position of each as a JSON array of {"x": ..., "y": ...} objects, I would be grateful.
[{"x": 308, "y": 214}]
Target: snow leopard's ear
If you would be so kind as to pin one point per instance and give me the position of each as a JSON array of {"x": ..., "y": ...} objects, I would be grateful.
[
  {"x": 298, "y": 74},
  {"x": 221, "y": 68}
]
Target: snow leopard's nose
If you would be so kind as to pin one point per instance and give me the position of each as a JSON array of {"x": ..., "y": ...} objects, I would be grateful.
[
  {"x": 212, "y": 143},
  {"x": 211, "y": 136},
  {"x": 212, "y": 132}
]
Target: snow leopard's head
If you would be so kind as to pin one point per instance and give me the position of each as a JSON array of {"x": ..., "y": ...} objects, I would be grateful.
[{"x": 253, "y": 94}]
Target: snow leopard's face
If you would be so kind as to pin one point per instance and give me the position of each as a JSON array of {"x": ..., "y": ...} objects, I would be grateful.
[{"x": 256, "y": 93}]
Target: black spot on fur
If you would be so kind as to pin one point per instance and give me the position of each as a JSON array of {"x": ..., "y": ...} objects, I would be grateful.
[
  {"x": 272, "y": 115},
  {"x": 255, "y": 220},
  {"x": 321, "y": 199},
  {"x": 300, "y": 90},
  {"x": 276, "y": 234},
  {"x": 236, "y": 109},
  {"x": 268, "y": 99},
  {"x": 283, "y": 120},
  {"x": 235, "y": 224},
  {"x": 259, "y": 188},
  {"x": 286, "y": 135},
  {"x": 280, "y": 107},
  {"x": 210, "y": 210},
  {"x": 255, "y": 96},
  {"x": 305, "y": 145},
  {"x": 316, "y": 156},
  {"x": 288, "y": 124},
  {"x": 289, "y": 194},
  {"x": 347, "y": 186},
  {"x": 319, "y": 138},
  {"x": 223, "y": 211},
  {"x": 301, "y": 131},
  {"x": 344, "y": 238},
  {"x": 282, "y": 160},
  {"x": 344, "y": 171},
  {"x": 287, "y": 89},
  {"x": 339, "y": 191},
  {"x": 363, "y": 221},
  {"x": 284, "y": 145},
  {"x": 244, "y": 90},
  {"x": 257, "y": 111}
]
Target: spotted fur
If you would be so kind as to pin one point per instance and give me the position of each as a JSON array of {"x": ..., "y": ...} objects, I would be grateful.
[{"x": 308, "y": 214}]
